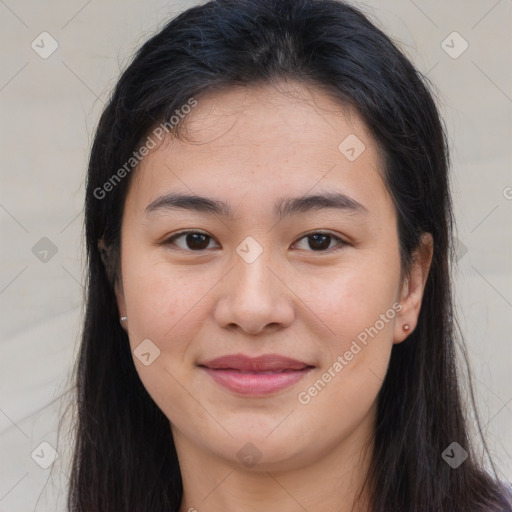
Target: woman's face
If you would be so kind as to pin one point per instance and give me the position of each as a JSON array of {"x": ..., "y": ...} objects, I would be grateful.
[{"x": 268, "y": 274}]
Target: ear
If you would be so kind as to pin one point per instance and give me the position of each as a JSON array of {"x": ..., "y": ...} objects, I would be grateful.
[
  {"x": 121, "y": 306},
  {"x": 116, "y": 281},
  {"x": 413, "y": 287}
]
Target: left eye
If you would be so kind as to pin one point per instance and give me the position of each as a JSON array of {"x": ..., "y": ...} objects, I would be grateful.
[
  {"x": 320, "y": 241},
  {"x": 198, "y": 241}
]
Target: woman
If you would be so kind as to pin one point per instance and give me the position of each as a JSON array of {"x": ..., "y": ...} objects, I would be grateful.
[{"x": 269, "y": 317}]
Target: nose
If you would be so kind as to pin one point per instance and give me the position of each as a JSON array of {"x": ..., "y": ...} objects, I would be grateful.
[{"x": 254, "y": 297}]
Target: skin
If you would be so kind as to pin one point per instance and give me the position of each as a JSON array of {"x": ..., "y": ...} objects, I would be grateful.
[{"x": 249, "y": 147}]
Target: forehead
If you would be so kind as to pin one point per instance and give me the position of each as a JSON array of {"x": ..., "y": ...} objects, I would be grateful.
[
  {"x": 255, "y": 142},
  {"x": 285, "y": 114}
]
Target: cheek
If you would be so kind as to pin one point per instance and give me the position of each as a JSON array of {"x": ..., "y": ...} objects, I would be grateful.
[
  {"x": 358, "y": 306},
  {"x": 163, "y": 307},
  {"x": 162, "y": 303},
  {"x": 352, "y": 298}
]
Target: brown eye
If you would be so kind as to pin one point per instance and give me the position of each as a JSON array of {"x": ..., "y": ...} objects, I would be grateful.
[
  {"x": 198, "y": 241},
  {"x": 194, "y": 240},
  {"x": 320, "y": 242}
]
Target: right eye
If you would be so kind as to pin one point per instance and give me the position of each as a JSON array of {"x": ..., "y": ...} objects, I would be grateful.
[{"x": 194, "y": 241}]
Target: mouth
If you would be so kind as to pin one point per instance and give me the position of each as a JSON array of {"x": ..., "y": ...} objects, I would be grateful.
[{"x": 255, "y": 376}]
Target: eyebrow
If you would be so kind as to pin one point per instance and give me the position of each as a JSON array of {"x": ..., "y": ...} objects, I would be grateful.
[{"x": 283, "y": 207}]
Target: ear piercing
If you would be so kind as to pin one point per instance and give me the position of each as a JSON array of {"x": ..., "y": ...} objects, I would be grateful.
[
  {"x": 123, "y": 319},
  {"x": 406, "y": 327}
]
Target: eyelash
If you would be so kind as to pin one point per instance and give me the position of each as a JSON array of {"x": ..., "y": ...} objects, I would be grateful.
[{"x": 341, "y": 244}]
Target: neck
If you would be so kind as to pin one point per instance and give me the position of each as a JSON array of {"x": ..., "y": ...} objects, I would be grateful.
[{"x": 332, "y": 481}]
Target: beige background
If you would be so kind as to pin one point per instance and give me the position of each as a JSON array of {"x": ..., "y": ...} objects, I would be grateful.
[{"x": 49, "y": 109}]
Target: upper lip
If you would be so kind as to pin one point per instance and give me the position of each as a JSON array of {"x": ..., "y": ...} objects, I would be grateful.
[{"x": 266, "y": 362}]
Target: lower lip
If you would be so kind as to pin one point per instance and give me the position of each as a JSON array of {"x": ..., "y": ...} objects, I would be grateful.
[{"x": 255, "y": 383}]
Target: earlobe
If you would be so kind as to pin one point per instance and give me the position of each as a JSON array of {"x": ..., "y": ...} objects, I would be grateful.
[{"x": 413, "y": 289}]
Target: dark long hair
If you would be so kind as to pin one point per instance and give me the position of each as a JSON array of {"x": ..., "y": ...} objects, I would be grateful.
[{"x": 124, "y": 457}]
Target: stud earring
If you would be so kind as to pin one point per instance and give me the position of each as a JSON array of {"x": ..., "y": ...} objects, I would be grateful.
[
  {"x": 406, "y": 327},
  {"x": 123, "y": 319}
]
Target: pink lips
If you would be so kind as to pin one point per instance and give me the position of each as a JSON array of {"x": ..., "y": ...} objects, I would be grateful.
[{"x": 255, "y": 376}]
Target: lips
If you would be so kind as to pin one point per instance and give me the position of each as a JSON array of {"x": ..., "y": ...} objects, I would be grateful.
[
  {"x": 261, "y": 375},
  {"x": 266, "y": 363}
]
